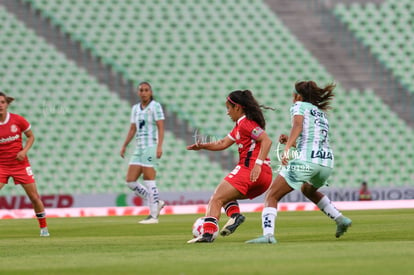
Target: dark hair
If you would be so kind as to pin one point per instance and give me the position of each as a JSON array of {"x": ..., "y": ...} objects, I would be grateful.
[
  {"x": 251, "y": 107},
  {"x": 320, "y": 97},
  {"x": 8, "y": 98},
  {"x": 149, "y": 85}
]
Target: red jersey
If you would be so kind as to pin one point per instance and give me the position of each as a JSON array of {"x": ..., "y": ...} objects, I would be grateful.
[
  {"x": 11, "y": 139},
  {"x": 245, "y": 134}
]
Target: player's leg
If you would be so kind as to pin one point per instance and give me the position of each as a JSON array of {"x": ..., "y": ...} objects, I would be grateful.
[
  {"x": 232, "y": 211},
  {"x": 39, "y": 209},
  {"x": 149, "y": 163},
  {"x": 327, "y": 207},
  {"x": 224, "y": 193},
  {"x": 133, "y": 173},
  {"x": 277, "y": 190},
  {"x": 154, "y": 203}
]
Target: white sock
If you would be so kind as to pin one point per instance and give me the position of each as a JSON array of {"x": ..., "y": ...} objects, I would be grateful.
[
  {"x": 152, "y": 197},
  {"x": 326, "y": 206},
  {"x": 269, "y": 215},
  {"x": 138, "y": 189}
]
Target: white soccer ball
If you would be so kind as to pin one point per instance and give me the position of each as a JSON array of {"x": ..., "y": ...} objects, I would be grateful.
[{"x": 198, "y": 228}]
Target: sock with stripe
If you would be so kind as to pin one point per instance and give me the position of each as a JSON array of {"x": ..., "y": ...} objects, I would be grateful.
[{"x": 232, "y": 208}]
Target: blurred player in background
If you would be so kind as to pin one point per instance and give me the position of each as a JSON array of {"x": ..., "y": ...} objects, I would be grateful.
[
  {"x": 314, "y": 164},
  {"x": 14, "y": 162},
  {"x": 147, "y": 124},
  {"x": 252, "y": 175}
]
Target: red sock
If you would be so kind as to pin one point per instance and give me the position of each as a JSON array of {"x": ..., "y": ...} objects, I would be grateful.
[
  {"x": 41, "y": 218},
  {"x": 210, "y": 225},
  {"x": 232, "y": 208}
]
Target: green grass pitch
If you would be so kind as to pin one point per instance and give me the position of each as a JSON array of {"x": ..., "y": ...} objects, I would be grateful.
[{"x": 379, "y": 242}]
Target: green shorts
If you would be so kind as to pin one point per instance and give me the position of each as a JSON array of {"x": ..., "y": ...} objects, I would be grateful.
[
  {"x": 146, "y": 157},
  {"x": 296, "y": 172}
]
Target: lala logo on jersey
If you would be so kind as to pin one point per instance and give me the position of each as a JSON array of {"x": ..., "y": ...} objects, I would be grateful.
[{"x": 13, "y": 128}]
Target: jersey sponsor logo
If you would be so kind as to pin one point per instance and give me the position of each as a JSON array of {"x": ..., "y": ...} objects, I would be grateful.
[
  {"x": 13, "y": 128},
  {"x": 10, "y": 138},
  {"x": 323, "y": 123},
  {"x": 317, "y": 113},
  {"x": 321, "y": 154}
]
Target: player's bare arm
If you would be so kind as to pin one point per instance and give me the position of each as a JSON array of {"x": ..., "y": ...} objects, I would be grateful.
[
  {"x": 294, "y": 134},
  {"x": 160, "y": 126},
  {"x": 212, "y": 146},
  {"x": 130, "y": 135},
  {"x": 265, "y": 145},
  {"x": 29, "y": 142}
]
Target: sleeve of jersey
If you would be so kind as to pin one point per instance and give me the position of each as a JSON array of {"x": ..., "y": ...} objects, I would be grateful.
[
  {"x": 232, "y": 134},
  {"x": 133, "y": 114},
  {"x": 253, "y": 130},
  {"x": 159, "y": 113},
  {"x": 297, "y": 109},
  {"x": 24, "y": 124}
]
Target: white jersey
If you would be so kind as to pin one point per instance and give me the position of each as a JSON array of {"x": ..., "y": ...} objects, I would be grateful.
[
  {"x": 313, "y": 142},
  {"x": 146, "y": 122}
]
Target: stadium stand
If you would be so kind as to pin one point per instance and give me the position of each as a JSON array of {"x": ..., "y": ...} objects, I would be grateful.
[
  {"x": 385, "y": 29},
  {"x": 78, "y": 123},
  {"x": 195, "y": 53}
]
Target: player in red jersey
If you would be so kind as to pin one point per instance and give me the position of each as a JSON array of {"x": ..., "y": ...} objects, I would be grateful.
[
  {"x": 14, "y": 162},
  {"x": 252, "y": 175}
]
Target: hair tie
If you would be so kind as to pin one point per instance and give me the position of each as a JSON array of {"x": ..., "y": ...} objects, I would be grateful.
[{"x": 229, "y": 99}]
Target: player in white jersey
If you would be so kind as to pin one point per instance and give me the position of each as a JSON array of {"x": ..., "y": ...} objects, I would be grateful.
[
  {"x": 147, "y": 125},
  {"x": 313, "y": 165}
]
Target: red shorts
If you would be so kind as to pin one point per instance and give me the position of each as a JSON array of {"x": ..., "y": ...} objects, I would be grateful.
[
  {"x": 240, "y": 179},
  {"x": 21, "y": 174}
]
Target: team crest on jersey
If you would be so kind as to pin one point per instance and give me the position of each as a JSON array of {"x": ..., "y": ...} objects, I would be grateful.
[
  {"x": 237, "y": 135},
  {"x": 13, "y": 128}
]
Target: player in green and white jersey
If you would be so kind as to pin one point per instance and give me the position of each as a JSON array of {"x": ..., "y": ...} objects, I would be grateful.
[
  {"x": 147, "y": 125},
  {"x": 314, "y": 162}
]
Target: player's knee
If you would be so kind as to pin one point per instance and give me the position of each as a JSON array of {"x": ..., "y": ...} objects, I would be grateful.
[{"x": 311, "y": 192}]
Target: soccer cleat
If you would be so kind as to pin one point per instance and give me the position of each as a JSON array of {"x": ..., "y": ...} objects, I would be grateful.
[
  {"x": 44, "y": 232},
  {"x": 161, "y": 205},
  {"x": 149, "y": 220},
  {"x": 269, "y": 238},
  {"x": 342, "y": 224},
  {"x": 232, "y": 224},
  {"x": 205, "y": 238}
]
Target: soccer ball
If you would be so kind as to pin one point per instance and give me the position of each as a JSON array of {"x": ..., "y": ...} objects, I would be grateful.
[{"x": 198, "y": 228}]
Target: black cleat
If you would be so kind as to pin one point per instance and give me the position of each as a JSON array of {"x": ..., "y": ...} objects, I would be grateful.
[{"x": 231, "y": 226}]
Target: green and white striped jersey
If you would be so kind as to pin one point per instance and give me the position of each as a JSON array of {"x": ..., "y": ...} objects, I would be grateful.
[
  {"x": 313, "y": 143},
  {"x": 146, "y": 121}
]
